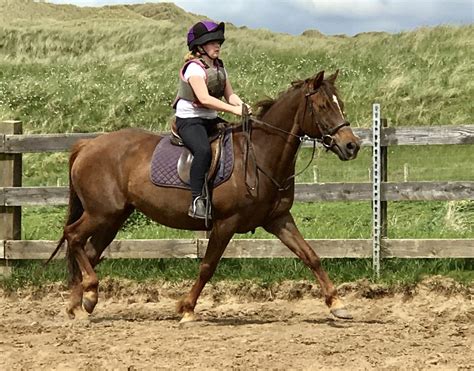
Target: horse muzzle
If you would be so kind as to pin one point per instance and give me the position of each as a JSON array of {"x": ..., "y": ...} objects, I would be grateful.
[{"x": 346, "y": 146}]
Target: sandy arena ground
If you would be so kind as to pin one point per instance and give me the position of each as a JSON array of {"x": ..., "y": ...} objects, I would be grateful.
[{"x": 286, "y": 326}]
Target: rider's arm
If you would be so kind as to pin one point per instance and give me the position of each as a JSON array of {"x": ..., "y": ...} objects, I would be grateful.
[
  {"x": 202, "y": 94},
  {"x": 230, "y": 96},
  {"x": 233, "y": 98}
]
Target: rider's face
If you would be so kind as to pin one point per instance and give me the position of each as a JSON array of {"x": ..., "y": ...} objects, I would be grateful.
[{"x": 212, "y": 48}]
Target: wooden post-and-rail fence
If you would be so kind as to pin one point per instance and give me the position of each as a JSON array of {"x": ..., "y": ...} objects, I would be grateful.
[{"x": 13, "y": 196}]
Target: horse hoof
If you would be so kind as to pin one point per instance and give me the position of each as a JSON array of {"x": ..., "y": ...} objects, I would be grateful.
[
  {"x": 76, "y": 312},
  {"x": 70, "y": 313},
  {"x": 88, "y": 305},
  {"x": 342, "y": 313},
  {"x": 188, "y": 317}
]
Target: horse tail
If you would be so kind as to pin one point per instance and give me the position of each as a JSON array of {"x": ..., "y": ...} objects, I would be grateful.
[{"x": 75, "y": 208}]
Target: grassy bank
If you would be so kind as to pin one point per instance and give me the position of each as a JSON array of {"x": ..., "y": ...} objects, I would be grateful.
[{"x": 76, "y": 69}]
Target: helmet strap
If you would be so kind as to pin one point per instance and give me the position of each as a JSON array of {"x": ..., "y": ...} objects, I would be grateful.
[{"x": 203, "y": 52}]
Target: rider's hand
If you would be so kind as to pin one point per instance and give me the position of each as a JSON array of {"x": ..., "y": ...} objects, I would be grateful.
[
  {"x": 237, "y": 110},
  {"x": 249, "y": 108}
]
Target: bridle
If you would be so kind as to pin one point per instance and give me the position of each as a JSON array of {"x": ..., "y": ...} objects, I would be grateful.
[{"x": 326, "y": 139}]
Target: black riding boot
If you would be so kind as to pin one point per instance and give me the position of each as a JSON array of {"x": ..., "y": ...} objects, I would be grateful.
[{"x": 197, "y": 209}]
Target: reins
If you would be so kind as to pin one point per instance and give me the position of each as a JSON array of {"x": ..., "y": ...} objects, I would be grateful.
[
  {"x": 284, "y": 185},
  {"x": 326, "y": 140}
]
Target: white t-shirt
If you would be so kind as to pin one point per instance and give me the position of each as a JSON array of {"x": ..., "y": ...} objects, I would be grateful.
[{"x": 185, "y": 108}]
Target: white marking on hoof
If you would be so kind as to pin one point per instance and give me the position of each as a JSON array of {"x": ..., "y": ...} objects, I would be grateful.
[
  {"x": 342, "y": 313},
  {"x": 338, "y": 309},
  {"x": 188, "y": 317}
]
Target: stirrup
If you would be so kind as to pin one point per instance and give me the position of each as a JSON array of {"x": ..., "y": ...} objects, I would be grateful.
[
  {"x": 204, "y": 198},
  {"x": 198, "y": 208}
]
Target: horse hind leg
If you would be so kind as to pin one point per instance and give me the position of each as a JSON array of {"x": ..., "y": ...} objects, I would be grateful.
[
  {"x": 104, "y": 236},
  {"x": 86, "y": 255},
  {"x": 83, "y": 279},
  {"x": 74, "y": 307},
  {"x": 94, "y": 248}
]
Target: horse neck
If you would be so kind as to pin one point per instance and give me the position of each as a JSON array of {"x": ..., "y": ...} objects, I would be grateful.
[{"x": 276, "y": 150}]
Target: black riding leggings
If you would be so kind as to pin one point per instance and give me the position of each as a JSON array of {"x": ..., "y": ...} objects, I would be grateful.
[{"x": 194, "y": 132}]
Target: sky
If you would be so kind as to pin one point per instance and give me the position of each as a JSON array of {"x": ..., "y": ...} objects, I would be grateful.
[{"x": 328, "y": 16}]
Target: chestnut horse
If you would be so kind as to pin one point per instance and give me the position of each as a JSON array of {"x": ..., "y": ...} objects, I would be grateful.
[{"x": 110, "y": 177}]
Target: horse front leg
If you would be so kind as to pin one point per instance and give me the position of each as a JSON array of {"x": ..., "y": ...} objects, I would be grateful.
[
  {"x": 285, "y": 229},
  {"x": 220, "y": 236}
]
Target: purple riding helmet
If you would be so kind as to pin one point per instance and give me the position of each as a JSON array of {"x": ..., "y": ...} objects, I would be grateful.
[{"x": 205, "y": 31}]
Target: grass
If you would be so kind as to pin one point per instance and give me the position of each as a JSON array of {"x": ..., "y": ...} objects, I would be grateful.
[
  {"x": 453, "y": 162},
  {"x": 416, "y": 219},
  {"x": 70, "y": 69},
  {"x": 267, "y": 271}
]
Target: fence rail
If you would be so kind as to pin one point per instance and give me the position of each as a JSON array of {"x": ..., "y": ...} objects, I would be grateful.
[
  {"x": 251, "y": 248},
  {"x": 310, "y": 192},
  {"x": 12, "y": 197}
]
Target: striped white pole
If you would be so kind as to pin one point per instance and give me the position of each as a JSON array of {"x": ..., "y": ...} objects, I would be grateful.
[{"x": 376, "y": 191}]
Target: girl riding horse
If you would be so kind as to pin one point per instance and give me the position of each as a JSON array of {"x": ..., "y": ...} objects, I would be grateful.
[{"x": 203, "y": 82}]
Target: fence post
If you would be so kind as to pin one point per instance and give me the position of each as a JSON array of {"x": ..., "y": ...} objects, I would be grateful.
[
  {"x": 199, "y": 236},
  {"x": 10, "y": 176},
  {"x": 376, "y": 188},
  {"x": 405, "y": 172},
  {"x": 384, "y": 175},
  {"x": 315, "y": 174}
]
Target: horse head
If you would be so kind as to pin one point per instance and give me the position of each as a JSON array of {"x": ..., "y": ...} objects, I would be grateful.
[{"x": 323, "y": 117}]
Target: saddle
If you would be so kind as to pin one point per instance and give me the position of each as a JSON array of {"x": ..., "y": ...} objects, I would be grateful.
[
  {"x": 165, "y": 158},
  {"x": 216, "y": 140}
]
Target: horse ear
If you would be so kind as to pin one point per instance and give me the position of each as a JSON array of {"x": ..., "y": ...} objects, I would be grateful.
[
  {"x": 318, "y": 80},
  {"x": 333, "y": 77}
]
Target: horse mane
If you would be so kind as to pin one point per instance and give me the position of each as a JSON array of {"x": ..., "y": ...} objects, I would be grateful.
[{"x": 265, "y": 104}]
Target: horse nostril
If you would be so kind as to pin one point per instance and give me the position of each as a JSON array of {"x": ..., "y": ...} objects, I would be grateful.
[{"x": 351, "y": 146}]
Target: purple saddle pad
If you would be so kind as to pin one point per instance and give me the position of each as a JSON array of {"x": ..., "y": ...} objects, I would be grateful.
[{"x": 164, "y": 163}]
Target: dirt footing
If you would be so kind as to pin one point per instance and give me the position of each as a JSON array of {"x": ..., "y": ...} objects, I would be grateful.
[{"x": 241, "y": 325}]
